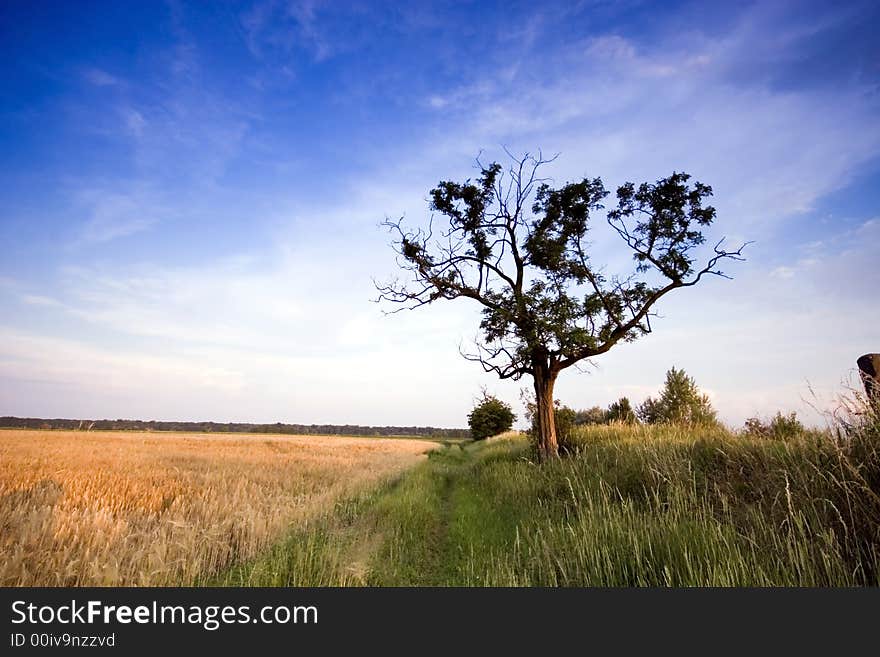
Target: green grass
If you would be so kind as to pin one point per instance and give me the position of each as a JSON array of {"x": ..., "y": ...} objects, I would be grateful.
[{"x": 635, "y": 506}]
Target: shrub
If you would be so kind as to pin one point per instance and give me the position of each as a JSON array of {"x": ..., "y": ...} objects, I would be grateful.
[
  {"x": 680, "y": 402},
  {"x": 565, "y": 423},
  {"x": 780, "y": 427},
  {"x": 490, "y": 417},
  {"x": 621, "y": 411},
  {"x": 594, "y": 415}
]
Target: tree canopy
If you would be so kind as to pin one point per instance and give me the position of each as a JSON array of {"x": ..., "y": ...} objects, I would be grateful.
[
  {"x": 680, "y": 402},
  {"x": 490, "y": 417},
  {"x": 518, "y": 246}
]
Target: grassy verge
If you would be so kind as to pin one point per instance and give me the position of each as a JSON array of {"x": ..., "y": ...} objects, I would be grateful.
[{"x": 636, "y": 506}]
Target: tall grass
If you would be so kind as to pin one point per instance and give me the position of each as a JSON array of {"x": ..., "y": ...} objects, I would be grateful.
[
  {"x": 678, "y": 507},
  {"x": 634, "y": 506}
]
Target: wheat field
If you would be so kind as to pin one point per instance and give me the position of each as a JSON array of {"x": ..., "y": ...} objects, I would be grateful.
[{"x": 150, "y": 509}]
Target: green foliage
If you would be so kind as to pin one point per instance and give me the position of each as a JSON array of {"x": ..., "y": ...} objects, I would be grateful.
[
  {"x": 565, "y": 424},
  {"x": 594, "y": 415},
  {"x": 650, "y": 411},
  {"x": 490, "y": 417},
  {"x": 621, "y": 411},
  {"x": 780, "y": 427},
  {"x": 680, "y": 402}
]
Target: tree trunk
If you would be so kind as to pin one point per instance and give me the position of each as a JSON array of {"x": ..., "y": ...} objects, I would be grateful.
[
  {"x": 548, "y": 446},
  {"x": 869, "y": 368}
]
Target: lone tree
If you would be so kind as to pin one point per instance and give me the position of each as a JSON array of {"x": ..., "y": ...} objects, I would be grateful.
[
  {"x": 490, "y": 417},
  {"x": 518, "y": 247}
]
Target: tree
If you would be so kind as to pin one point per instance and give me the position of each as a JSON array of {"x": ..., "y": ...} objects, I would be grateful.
[
  {"x": 780, "y": 426},
  {"x": 649, "y": 411},
  {"x": 594, "y": 415},
  {"x": 565, "y": 419},
  {"x": 490, "y": 417},
  {"x": 518, "y": 247},
  {"x": 680, "y": 402},
  {"x": 621, "y": 411}
]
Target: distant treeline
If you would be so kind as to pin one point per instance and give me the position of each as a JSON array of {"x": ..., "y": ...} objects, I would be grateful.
[{"x": 228, "y": 427}]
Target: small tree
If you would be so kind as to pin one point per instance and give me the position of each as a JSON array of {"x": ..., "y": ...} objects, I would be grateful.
[
  {"x": 680, "y": 402},
  {"x": 490, "y": 417},
  {"x": 650, "y": 412},
  {"x": 565, "y": 418},
  {"x": 594, "y": 415},
  {"x": 621, "y": 411},
  {"x": 520, "y": 248},
  {"x": 779, "y": 427}
]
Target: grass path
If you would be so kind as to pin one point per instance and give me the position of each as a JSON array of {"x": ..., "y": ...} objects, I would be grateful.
[
  {"x": 396, "y": 535},
  {"x": 415, "y": 519}
]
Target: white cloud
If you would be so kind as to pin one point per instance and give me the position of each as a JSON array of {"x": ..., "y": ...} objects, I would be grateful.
[
  {"x": 38, "y": 300},
  {"x": 64, "y": 361},
  {"x": 100, "y": 78},
  {"x": 134, "y": 121},
  {"x": 289, "y": 333},
  {"x": 627, "y": 112},
  {"x": 113, "y": 213},
  {"x": 438, "y": 102},
  {"x": 288, "y": 25},
  {"x": 783, "y": 272},
  {"x": 292, "y": 334}
]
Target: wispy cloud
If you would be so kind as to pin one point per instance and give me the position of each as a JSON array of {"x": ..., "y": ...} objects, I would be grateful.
[
  {"x": 100, "y": 78},
  {"x": 289, "y": 332},
  {"x": 288, "y": 24},
  {"x": 177, "y": 133},
  {"x": 630, "y": 111},
  {"x": 292, "y": 143},
  {"x": 134, "y": 121},
  {"x": 116, "y": 212}
]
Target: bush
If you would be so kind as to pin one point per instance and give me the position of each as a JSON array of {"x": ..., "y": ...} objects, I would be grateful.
[
  {"x": 621, "y": 411},
  {"x": 780, "y": 427},
  {"x": 565, "y": 423},
  {"x": 593, "y": 415},
  {"x": 680, "y": 402},
  {"x": 490, "y": 417}
]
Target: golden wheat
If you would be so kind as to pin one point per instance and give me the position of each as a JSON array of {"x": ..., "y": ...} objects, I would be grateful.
[{"x": 147, "y": 509}]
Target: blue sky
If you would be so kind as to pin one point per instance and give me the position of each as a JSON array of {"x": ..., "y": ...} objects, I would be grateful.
[{"x": 190, "y": 196}]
